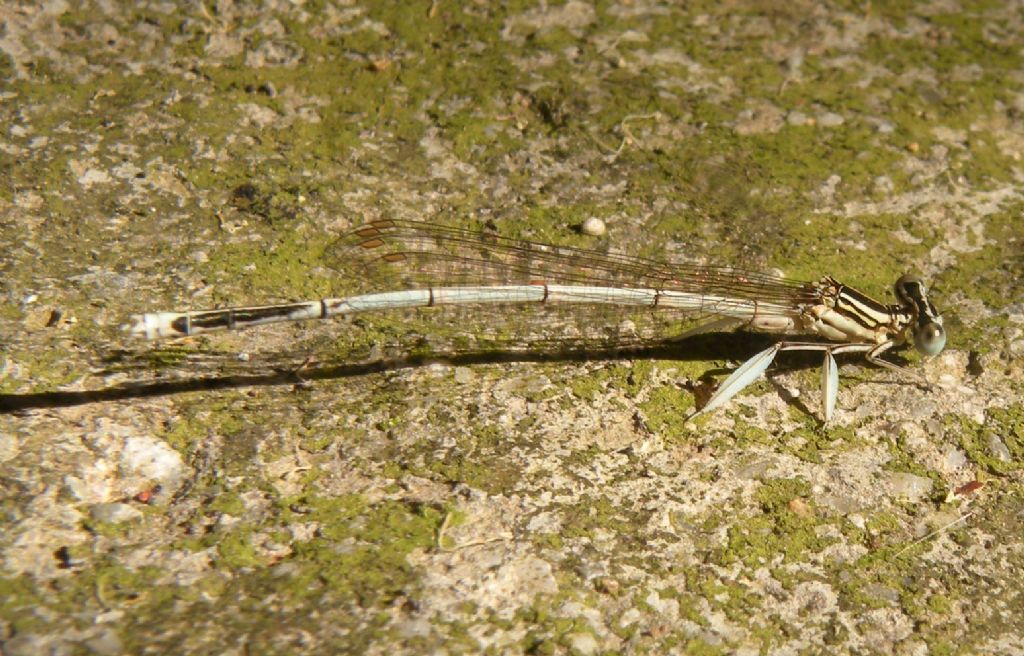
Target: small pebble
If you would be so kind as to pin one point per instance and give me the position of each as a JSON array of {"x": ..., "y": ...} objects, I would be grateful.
[
  {"x": 114, "y": 513},
  {"x": 594, "y": 227},
  {"x": 909, "y": 486},
  {"x": 796, "y": 118},
  {"x": 998, "y": 448},
  {"x": 105, "y": 643},
  {"x": 830, "y": 120},
  {"x": 954, "y": 459}
]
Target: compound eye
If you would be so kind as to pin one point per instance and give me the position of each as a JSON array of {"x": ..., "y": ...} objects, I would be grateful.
[{"x": 930, "y": 338}]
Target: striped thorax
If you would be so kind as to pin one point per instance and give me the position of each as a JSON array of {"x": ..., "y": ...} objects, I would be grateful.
[{"x": 845, "y": 314}]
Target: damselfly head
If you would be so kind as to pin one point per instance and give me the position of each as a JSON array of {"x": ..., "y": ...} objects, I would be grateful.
[{"x": 929, "y": 333}]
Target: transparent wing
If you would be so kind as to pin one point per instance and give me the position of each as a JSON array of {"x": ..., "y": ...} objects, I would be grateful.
[
  {"x": 389, "y": 255},
  {"x": 412, "y": 253}
]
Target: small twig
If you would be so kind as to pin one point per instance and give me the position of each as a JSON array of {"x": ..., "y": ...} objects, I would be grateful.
[
  {"x": 440, "y": 531},
  {"x": 627, "y": 137},
  {"x": 465, "y": 545},
  {"x": 941, "y": 529}
]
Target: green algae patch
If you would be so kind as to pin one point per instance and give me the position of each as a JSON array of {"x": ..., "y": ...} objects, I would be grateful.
[
  {"x": 195, "y": 422},
  {"x": 549, "y": 631},
  {"x": 586, "y": 388},
  {"x": 812, "y": 441},
  {"x": 496, "y": 477},
  {"x": 114, "y": 584},
  {"x": 666, "y": 410},
  {"x": 228, "y": 503},
  {"x": 481, "y": 459},
  {"x": 235, "y": 550},
  {"x": 631, "y": 379},
  {"x": 786, "y": 527},
  {"x": 48, "y": 370},
  {"x": 162, "y": 356},
  {"x": 360, "y": 549},
  {"x": 20, "y": 602},
  {"x": 267, "y": 271},
  {"x": 597, "y": 515}
]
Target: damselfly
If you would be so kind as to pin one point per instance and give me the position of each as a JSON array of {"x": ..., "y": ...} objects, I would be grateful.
[{"x": 433, "y": 266}]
